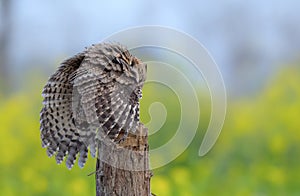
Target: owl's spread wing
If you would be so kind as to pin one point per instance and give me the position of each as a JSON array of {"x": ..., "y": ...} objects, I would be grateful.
[
  {"x": 86, "y": 98},
  {"x": 59, "y": 132}
]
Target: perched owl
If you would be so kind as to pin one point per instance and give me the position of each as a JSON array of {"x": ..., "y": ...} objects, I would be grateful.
[{"x": 92, "y": 95}]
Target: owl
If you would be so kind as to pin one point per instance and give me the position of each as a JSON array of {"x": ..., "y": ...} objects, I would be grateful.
[{"x": 92, "y": 95}]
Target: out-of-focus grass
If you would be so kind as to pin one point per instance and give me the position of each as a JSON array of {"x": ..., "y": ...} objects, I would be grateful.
[
  {"x": 25, "y": 167},
  {"x": 257, "y": 153}
]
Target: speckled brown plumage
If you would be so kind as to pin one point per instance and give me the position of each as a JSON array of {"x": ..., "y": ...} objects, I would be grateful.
[{"x": 92, "y": 95}]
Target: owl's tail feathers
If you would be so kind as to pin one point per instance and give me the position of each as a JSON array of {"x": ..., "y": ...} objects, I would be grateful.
[{"x": 69, "y": 150}]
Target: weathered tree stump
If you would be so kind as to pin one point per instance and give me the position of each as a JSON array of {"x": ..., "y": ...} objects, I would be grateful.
[{"x": 123, "y": 169}]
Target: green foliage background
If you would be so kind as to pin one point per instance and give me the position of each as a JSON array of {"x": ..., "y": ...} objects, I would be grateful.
[{"x": 257, "y": 153}]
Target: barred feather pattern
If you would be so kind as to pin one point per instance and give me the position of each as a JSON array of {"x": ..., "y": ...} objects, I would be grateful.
[{"x": 92, "y": 95}]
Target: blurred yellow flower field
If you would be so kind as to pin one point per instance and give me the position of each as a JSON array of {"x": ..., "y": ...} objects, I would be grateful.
[{"x": 257, "y": 153}]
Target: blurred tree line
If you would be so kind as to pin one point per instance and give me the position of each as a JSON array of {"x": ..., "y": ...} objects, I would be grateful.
[
  {"x": 5, "y": 34},
  {"x": 247, "y": 39}
]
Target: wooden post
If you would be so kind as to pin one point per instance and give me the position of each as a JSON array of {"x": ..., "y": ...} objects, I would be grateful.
[{"x": 123, "y": 169}]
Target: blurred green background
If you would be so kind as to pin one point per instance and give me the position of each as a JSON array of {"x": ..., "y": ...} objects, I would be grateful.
[{"x": 258, "y": 151}]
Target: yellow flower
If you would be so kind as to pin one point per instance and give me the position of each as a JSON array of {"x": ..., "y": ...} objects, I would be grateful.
[{"x": 160, "y": 186}]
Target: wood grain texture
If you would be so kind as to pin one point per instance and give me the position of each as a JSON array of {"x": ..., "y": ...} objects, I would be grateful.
[{"x": 123, "y": 169}]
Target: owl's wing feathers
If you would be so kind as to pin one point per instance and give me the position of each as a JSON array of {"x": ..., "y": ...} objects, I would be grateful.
[
  {"x": 88, "y": 95},
  {"x": 58, "y": 130},
  {"x": 105, "y": 101}
]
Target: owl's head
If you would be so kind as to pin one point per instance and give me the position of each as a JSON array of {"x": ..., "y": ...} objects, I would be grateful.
[
  {"x": 115, "y": 60},
  {"x": 131, "y": 63},
  {"x": 141, "y": 70}
]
